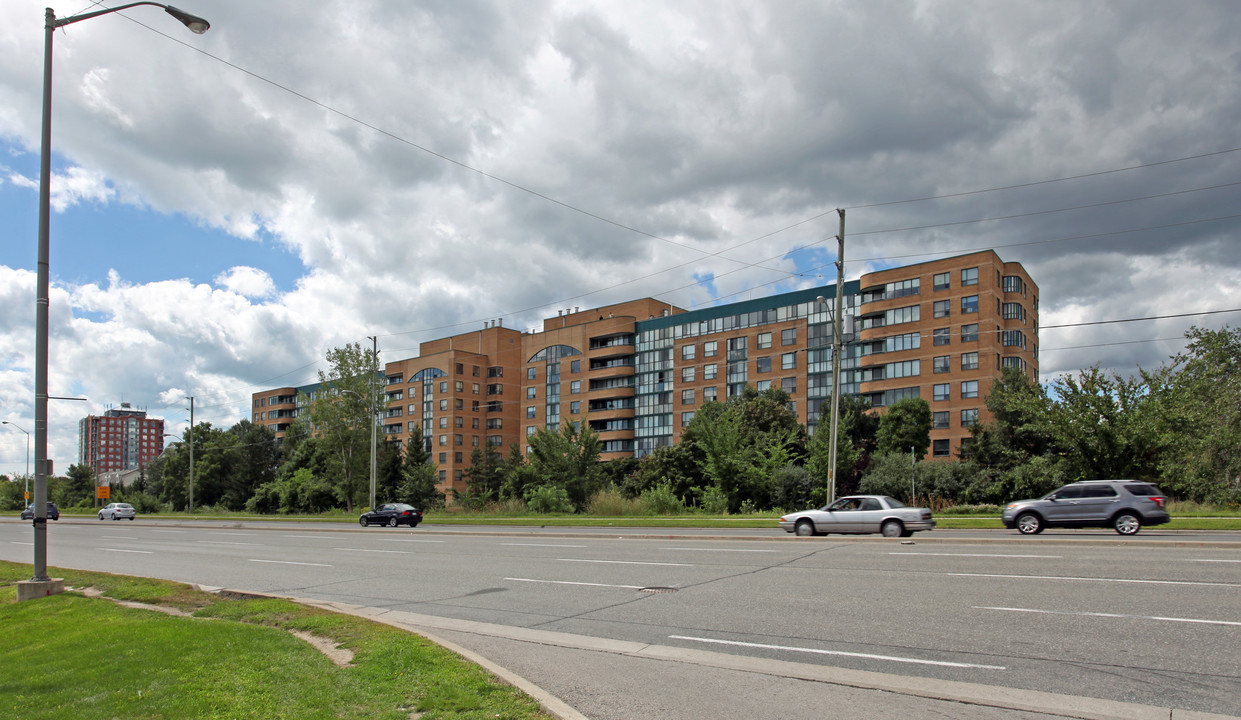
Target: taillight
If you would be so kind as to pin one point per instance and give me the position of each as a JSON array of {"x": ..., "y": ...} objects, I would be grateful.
[
  {"x": 1158, "y": 500},
  {"x": 404, "y": 513}
]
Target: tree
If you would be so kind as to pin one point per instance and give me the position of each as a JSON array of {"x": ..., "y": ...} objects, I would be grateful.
[
  {"x": 1021, "y": 425},
  {"x": 906, "y": 424},
  {"x": 567, "y": 459},
  {"x": 485, "y": 477},
  {"x": 420, "y": 486},
  {"x": 341, "y": 415},
  {"x": 1097, "y": 425}
]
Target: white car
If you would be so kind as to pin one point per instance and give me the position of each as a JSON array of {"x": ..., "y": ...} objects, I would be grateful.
[
  {"x": 116, "y": 511},
  {"x": 857, "y": 514}
]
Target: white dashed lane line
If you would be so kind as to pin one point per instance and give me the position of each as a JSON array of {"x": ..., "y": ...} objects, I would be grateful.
[
  {"x": 566, "y": 582},
  {"x": 840, "y": 653},
  {"x": 1113, "y": 615}
]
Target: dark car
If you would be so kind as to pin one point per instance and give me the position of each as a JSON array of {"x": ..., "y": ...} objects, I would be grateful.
[
  {"x": 1125, "y": 505},
  {"x": 53, "y": 512},
  {"x": 392, "y": 515}
]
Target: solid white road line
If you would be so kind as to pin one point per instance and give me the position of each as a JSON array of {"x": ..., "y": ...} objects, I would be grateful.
[
  {"x": 226, "y": 542},
  {"x": 721, "y": 550},
  {"x": 409, "y": 540},
  {"x": 542, "y": 545},
  {"x": 1049, "y": 557},
  {"x": 566, "y": 582},
  {"x": 1113, "y": 615},
  {"x": 288, "y": 562},
  {"x": 368, "y": 550},
  {"x": 624, "y": 562},
  {"x": 1205, "y": 560},
  {"x": 141, "y": 552},
  {"x": 866, "y": 656},
  {"x": 1090, "y": 579}
]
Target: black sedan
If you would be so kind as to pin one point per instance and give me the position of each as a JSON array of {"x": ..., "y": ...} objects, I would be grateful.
[
  {"x": 53, "y": 512},
  {"x": 392, "y": 515}
]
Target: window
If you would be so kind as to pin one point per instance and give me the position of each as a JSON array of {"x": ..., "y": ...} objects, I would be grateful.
[
  {"x": 687, "y": 352},
  {"x": 531, "y": 412},
  {"x": 788, "y": 336},
  {"x": 443, "y": 458},
  {"x": 942, "y": 281},
  {"x": 575, "y": 387},
  {"x": 942, "y": 392},
  {"x": 458, "y": 439},
  {"x": 687, "y": 397},
  {"x": 532, "y": 373},
  {"x": 444, "y": 404},
  {"x": 1013, "y": 311},
  {"x": 474, "y": 423},
  {"x": 575, "y": 407},
  {"x": 457, "y": 457},
  {"x": 460, "y": 369},
  {"x": 686, "y": 417},
  {"x": 709, "y": 348},
  {"x": 969, "y": 333},
  {"x": 444, "y": 421},
  {"x": 943, "y": 336},
  {"x": 943, "y": 364},
  {"x": 1014, "y": 284},
  {"x": 762, "y": 385},
  {"x": 939, "y": 420},
  {"x": 969, "y": 418},
  {"x": 531, "y": 430},
  {"x": 969, "y": 361},
  {"x": 687, "y": 375},
  {"x": 1013, "y": 338},
  {"x": 788, "y": 361},
  {"x": 443, "y": 440},
  {"x": 575, "y": 366},
  {"x": 444, "y": 386},
  {"x": 764, "y": 341},
  {"x": 474, "y": 388},
  {"x": 458, "y": 404},
  {"x": 969, "y": 304},
  {"x": 709, "y": 394},
  {"x": 969, "y": 389},
  {"x": 788, "y": 385},
  {"x": 764, "y": 365},
  {"x": 708, "y": 371},
  {"x": 939, "y": 448},
  {"x": 532, "y": 393},
  {"x": 969, "y": 276},
  {"x": 943, "y": 308}
]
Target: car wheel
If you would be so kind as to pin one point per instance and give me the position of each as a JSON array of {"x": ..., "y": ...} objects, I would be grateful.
[
  {"x": 1127, "y": 524},
  {"x": 892, "y": 528},
  {"x": 116, "y": 517},
  {"x": 1029, "y": 524},
  {"x": 804, "y": 528},
  {"x": 393, "y": 522},
  {"x": 907, "y": 533},
  {"x": 100, "y": 516},
  {"x": 413, "y": 525},
  {"x": 362, "y": 521},
  {"x": 131, "y": 519}
]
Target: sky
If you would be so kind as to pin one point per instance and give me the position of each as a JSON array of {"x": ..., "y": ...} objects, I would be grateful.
[{"x": 228, "y": 207}]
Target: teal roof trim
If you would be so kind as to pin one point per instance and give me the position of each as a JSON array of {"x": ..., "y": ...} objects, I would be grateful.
[{"x": 852, "y": 287}]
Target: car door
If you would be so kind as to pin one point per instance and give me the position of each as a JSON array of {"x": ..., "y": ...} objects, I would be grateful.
[
  {"x": 841, "y": 516},
  {"x": 869, "y": 514},
  {"x": 1062, "y": 507},
  {"x": 1097, "y": 503}
]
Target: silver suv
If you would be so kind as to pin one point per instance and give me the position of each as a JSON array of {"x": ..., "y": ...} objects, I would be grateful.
[{"x": 1125, "y": 505}]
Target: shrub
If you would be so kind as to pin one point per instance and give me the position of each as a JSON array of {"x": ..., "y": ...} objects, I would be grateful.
[
  {"x": 610, "y": 502},
  {"x": 548, "y": 499},
  {"x": 712, "y": 501},
  {"x": 660, "y": 500}
]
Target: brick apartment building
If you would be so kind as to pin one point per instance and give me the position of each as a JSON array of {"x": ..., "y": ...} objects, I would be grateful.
[
  {"x": 636, "y": 372},
  {"x": 121, "y": 439}
]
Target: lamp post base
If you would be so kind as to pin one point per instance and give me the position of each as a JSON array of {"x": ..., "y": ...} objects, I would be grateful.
[{"x": 31, "y": 589}]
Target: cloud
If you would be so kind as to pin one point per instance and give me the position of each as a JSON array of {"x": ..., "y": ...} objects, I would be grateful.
[{"x": 247, "y": 281}]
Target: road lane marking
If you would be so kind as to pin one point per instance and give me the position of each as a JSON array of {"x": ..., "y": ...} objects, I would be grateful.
[
  {"x": 368, "y": 550},
  {"x": 624, "y": 562},
  {"x": 721, "y": 550},
  {"x": 1113, "y": 615},
  {"x": 566, "y": 582},
  {"x": 543, "y": 545},
  {"x": 142, "y": 552},
  {"x": 226, "y": 542},
  {"x": 232, "y": 534},
  {"x": 311, "y": 537},
  {"x": 1089, "y": 579},
  {"x": 14, "y": 542},
  {"x": 1223, "y": 561},
  {"x": 288, "y": 562},
  {"x": 410, "y": 540},
  {"x": 117, "y": 537},
  {"x": 168, "y": 531},
  {"x": 1049, "y": 557},
  {"x": 817, "y": 651}
]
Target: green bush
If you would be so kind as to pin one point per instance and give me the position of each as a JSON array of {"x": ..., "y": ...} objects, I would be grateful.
[
  {"x": 611, "y": 502},
  {"x": 661, "y": 500},
  {"x": 548, "y": 499},
  {"x": 712, "y": 501}
]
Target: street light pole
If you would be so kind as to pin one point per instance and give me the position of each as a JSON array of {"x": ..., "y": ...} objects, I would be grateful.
[
  {"x": 196, "y": 25},
  {"x": 374, "y": 420},
  {"x": 26, "y": 493},
  {"x": 837, "y": 332},
  {"x": 191, "y": 441}
]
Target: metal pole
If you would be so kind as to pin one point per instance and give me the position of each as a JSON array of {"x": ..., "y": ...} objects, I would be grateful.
[
  {"x": 374, "y": 420},
  {"x": 26, "y": 493},
  {"x": 191, "y": 439},
  {"x": 837, "y": 332},
  {"x": 41, "y": 313}
]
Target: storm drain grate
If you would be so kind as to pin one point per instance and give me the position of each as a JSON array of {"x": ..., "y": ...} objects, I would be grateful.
[{"x": 658, "y": 590}]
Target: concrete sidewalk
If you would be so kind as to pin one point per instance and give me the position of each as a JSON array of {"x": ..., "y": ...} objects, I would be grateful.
[{"x": 578, "y": 677}]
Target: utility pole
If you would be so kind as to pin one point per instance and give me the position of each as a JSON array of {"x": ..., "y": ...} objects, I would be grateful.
[
  {"x": 837, "y": 332},
  {"x": 191, "y": 440},
  {"x": 374, "y": 420}
]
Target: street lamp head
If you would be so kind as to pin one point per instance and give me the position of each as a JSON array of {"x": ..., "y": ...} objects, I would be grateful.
[{"x": 197, "y": 25}]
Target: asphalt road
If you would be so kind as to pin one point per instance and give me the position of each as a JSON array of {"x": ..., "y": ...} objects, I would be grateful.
[{"x": 1153, "y": 620}]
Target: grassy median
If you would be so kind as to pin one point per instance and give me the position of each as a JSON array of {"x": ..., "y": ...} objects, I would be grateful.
[{"x": 85, "y": 656}]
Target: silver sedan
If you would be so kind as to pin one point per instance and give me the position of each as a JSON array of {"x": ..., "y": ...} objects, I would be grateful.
[
  {"x": 116, "y": 511},
  {"x": 858, "y": 514}
]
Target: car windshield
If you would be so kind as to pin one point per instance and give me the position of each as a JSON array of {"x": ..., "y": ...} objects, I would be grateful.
[{"x": 893, "y": 502}]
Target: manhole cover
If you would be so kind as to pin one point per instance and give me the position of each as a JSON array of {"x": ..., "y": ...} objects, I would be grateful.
[{"x": 658, "y": 590}]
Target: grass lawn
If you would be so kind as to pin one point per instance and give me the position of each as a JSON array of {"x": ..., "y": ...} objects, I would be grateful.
[{"x": 90, "y": 658}]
